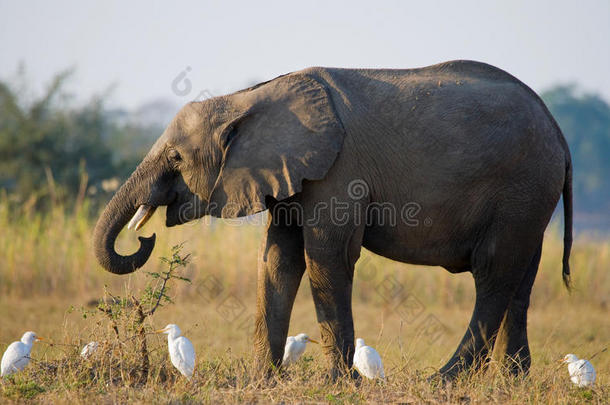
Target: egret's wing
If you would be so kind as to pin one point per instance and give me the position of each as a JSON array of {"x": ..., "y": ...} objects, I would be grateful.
[
  {"x": 378, "y": 364},
  {"x": 374, "y": 361},
  {"x": 590, "y": 369},
  {"x": 586, "y": 372},
  {"x": 579, "y": 367},
  {"x": 15, "y": 358},
  {"x": 293, "y": 350},
  {"x": 286, "y": 358},
  {"x": 368, "y": 362},
  {"x": 88, "y": 350},
  {"x": 592, "y": 373},
  {"x": 8, "y": 358},
  {"x": 581, "y": 373},
  {"x": 299, "y": 348},
  {"x": 187, "y": 355},
  {"x": 587, "y": 366},
  {"x": 573, "y": 371},
  {"x": 22, "y": 362},
  {"x": 360, "y": 362}
]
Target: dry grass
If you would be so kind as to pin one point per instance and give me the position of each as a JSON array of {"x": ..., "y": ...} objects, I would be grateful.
[{"x": 48, "y": 267}]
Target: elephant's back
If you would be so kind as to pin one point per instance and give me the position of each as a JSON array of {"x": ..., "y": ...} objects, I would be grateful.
[
  {"x": 455, "y": 118},
  {"x": 459, "y": 72}
]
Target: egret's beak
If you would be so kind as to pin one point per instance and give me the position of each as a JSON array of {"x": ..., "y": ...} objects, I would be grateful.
[
  {"x": 161, "y": 330},
  {"x": 38, "y": 338},
  {"x": 313, "y": 341},
  {"x": 561, "y": 361}
]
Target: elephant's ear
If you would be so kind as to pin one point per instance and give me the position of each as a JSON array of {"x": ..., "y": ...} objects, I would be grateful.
[{"x": 287, "y": 131}]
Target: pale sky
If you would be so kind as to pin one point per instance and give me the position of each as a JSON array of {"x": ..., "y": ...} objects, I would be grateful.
[{"x": 142, "y": 46}]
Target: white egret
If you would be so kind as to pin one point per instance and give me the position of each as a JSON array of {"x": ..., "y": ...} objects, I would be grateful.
[
  {"x": 181, "y": 350},
  {"x": 295, "y": 346},
  {"x": 89, "y": 349},
  {"x": 367, "y": 361},
  {"x": 17, "y": 354},
  {"x": 581, "y": 371}
]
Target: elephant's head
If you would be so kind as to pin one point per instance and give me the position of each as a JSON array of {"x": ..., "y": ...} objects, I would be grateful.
[{"x": 223, "y": 157}]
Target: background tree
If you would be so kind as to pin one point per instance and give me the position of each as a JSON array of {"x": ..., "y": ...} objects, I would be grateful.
[
  {"x": 47, "y": 146},
  {"x": 585, "y": 122}
]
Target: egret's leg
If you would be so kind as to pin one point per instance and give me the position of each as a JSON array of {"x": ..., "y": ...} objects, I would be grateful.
[{"x": 281, "y": 265}]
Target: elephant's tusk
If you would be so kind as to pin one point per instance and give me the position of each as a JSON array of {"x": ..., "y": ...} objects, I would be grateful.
[{"x": 141, "y": 216}]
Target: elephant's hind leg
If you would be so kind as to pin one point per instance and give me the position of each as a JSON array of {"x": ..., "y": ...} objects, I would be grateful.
[
  {"x": 512, "y": 344},
  {"x": 499, "y": 264},
  {"x": 281, "y": 265}
]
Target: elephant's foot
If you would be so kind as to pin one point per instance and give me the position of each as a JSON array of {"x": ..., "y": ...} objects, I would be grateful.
[
  {"x": 517, "y": 364},
  {"x": 262, "y": 372},
  {"x": 338, "y": 374},
  {"x": 456, "y": 367},
  {"x": 340, "y": 370},
  {"x": 441, "y": 379},
  {"x": 264, "y": 367}
]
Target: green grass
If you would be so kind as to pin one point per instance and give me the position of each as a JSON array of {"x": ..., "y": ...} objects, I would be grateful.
[{"x": 48, "y": 267}]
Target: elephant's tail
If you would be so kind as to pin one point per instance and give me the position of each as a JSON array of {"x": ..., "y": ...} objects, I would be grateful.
[{"x": 567, "y": 222}]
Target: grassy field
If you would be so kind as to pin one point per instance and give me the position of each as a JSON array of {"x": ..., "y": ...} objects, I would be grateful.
[{"x": 414, "y": 316}]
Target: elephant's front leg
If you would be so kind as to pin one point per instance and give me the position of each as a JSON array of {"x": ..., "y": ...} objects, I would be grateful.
[
  {"x": 281, "y": 265},
  {"x": 330, "y": 264}
]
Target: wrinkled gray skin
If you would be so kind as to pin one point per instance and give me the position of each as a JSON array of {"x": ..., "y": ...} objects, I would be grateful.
[{"x": 469, "y": 144}]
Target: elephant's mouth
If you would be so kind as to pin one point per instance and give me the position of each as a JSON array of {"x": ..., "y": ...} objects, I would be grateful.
[
  {"x": 173, "y": 214},
  {"x": 145, "y": 212},
  {"x": 178, "y": 212}
]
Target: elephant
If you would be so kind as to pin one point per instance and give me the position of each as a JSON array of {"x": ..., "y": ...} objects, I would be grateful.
[{"x": 336, "y": 157}]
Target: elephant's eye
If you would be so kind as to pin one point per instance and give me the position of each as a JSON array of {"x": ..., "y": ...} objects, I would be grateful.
[{"x": 174, "y": 155}]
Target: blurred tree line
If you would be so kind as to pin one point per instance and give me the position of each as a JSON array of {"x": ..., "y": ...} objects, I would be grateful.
[
  {"x": 51, "y": 151},
  {"x": 54, "y": 153},
  {"x": 585, "y": 122}
]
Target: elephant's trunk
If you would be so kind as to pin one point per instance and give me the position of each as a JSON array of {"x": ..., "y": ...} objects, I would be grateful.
[{"x": 116, "y": 215}]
